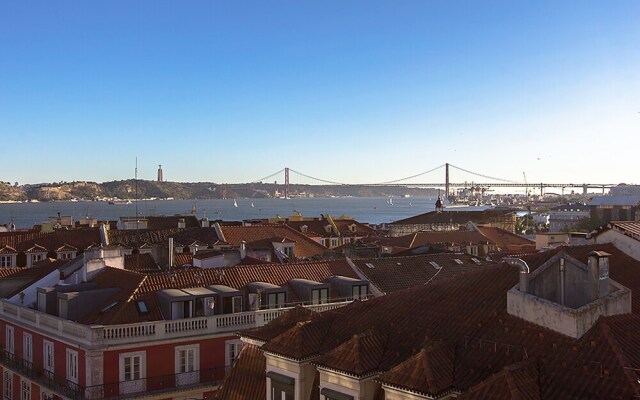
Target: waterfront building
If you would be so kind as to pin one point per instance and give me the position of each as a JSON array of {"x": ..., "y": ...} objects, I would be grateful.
[
  {"x": 453, "y": 221},
  {"x": 567, "y": 216}
]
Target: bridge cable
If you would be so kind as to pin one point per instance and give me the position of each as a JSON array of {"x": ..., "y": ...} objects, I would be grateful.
[
  {"x": 483, "y": 176},
  {"x": 268, "y": 177},
  {"x": 318, "y": 179},
  {"x": 409, "y": 177}
]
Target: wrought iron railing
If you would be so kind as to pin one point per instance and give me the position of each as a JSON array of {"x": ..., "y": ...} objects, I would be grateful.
[{"x": 115, "y": 390}]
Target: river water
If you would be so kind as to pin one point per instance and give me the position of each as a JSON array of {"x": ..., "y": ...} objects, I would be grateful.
[{"x": 374, "y": 210}]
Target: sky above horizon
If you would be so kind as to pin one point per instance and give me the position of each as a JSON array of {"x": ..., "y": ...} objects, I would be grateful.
[{"x": 353, "y": 92}]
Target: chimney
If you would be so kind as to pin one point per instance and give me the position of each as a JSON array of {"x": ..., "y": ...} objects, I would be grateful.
[
  {"x": 598, "y": 274},
  {"x": 243, "y": 250},
  {"x": 524, "y": 272},
  {"x": 104, "y": 236},
  {"x": 170, "y": 252}
]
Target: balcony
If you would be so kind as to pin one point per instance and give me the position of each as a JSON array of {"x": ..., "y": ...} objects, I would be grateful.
[
  {"x": 99, "y": 336},
  {"x": 118, "y": 390}
]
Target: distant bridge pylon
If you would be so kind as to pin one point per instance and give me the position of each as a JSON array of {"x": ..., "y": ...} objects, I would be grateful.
[{"x": 447, "y": 184}]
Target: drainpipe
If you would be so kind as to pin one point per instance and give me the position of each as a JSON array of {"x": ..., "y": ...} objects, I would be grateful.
[
  {"x": 562, "y": 278},
  {"x": 524, "y": 272}
]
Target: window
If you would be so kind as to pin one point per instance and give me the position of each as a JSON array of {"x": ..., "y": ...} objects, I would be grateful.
[
  {"x": 6, "y": 261},
  {"x": 48, "y": 361},
  {"x": 359, "y": 292},
  {"x": 36, "y": 257},
  {"x": 187, "y": 364},
  {"x": 319, "y": 296},
  {"x": 334, "y": 243},
  {"x": 282, "y": 386},
  {"x": 132, "y": 368},
  {"x": 7, "y": 378},
  {"x": 26, "y": 390},
  {"x": 72, "y": 365},
  {"x": 27, "y": 347},
  {"x": 185, "y": 360},
  {"x": 276, "y": 300},
  {"x": 9, "y": 340},
  {"x": 288, "y": 251},
  {"x": 42, "y": 302},
  {"x": 46, "y": 396},
  {"x": 329, "y": 394},
  {"x": 233, "y": 348},
  {"x": 132, "y": 372},
  {"x": 236, "y": 304}
]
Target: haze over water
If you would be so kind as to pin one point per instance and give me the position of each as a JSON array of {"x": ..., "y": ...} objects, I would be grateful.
[{"x": 372, "y": 210}]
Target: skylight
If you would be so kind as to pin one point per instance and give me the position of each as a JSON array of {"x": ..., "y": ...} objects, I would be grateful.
[
  {"x": 142, "y": 307},
  {"x": 475, "y": 260},
  {"x": 435, "y": 264},
  {"x": 369, "y": 265},
  {"x": 458, "y": 261},
  {"x": 109, "y": 307}
]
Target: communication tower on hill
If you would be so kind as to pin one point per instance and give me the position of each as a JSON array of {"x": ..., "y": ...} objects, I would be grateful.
[{"x": 160, "y": 178}]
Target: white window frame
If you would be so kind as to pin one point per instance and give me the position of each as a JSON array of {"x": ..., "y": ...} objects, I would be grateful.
[
  {"x": 25, "y": 390},
  {"x": 10, "y": 339},
  {"x": 27, "y": 347},
  {"x": 72, "y": 365},
  {"x": 6, "y": 261},
  {"x": 48, "y": 357},
  {"x": 133, "y": 385},
  {"x": 194, "y": 349},
  {"x": 7, "y": 387},
  {"x": 231, "y": 350}
]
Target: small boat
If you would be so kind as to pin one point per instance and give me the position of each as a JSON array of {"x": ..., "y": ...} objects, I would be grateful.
[
  {"x": 235, "y": 204},
  {"x": 390, "y": 201},
  {"x": 410, "y": 205},
  {"x": 252, "y": 204}
]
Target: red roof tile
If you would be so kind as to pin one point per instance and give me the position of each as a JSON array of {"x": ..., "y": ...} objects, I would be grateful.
[
  {"x": 304, "y": 247},
  {"x": 391, "y": 274},
  {"x": 246, "y": 380},
  {"x": 143, "y": 263}
]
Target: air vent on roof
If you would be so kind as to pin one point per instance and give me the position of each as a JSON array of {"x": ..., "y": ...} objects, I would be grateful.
[
  {"x": 435, "y": 264},
  {"x": 369, "y": 265},
  {"x": 475, "y": 260},
  {"x": 458, "y": 261}
]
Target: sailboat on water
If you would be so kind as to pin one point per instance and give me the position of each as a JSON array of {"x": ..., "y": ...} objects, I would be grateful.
[
  {"x": 252, "y": 204},
  {"x": 390, "y": 201},
  {"x": 235, "y": 203}
]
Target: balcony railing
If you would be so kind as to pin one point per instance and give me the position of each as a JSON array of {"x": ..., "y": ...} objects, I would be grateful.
[
  {"x": 96, "y": 336},
  {"x": 115, "y": 390}
]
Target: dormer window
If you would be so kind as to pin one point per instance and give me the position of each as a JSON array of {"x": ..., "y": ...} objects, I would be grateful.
[
  {"x": 352, "y": 227},
  {"x": 304, "y": 228},
  {"x": 328, "y": 228},
  {"x": 288, "y": 250},
  {"x": 6, "y": 261}
]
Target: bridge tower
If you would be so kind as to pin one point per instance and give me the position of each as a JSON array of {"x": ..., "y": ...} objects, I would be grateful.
[
  {"x": 286, "y": 183},
  {"x": 446, "y": 182}
]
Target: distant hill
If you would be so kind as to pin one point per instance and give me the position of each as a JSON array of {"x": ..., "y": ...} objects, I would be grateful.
[{"x": 126, "y": 189}]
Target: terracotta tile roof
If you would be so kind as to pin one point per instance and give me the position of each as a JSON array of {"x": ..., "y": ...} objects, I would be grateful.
[
  {"x": 458, "y": 217},
  {"x": 36, "y": 248},
  {"x": 361, "y": 356},
  {"x": 143, "y": 263},
  {"x": 391, "y": 274},
  {"x": 430, "y": 369},
  {"x": 629, "y": 228},
  {"x": 468, "y": 313},
  {"x": 246, "y": 380},
  {"x": 78, "y": 238},
  {"x": 235, "y": 276},
  {"x": 506, "y": 240},
  {"x": 515, "y": 382},
  {"x": 5, "y": 272},
  {"x": 182, "y": 259},
  {"x": 304, "y": 247},
  {"x": 135, "y": 238},
  {"x": 426, "y": 238},
  {"x": 302, "y": 341},
  {"x": 317, "y": 227},
  {"x": 66, "y": 247},
  {"x": 8, "y": 250},
  {"x": 281, "y": 324},
  {"x": 14, "y": 239}
]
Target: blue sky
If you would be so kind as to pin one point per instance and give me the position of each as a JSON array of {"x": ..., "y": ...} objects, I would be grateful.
[{"x": 357, "y": 91}]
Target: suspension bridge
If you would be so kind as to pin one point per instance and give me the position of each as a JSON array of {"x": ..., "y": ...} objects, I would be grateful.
[{"x": 420, "y": 180}]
